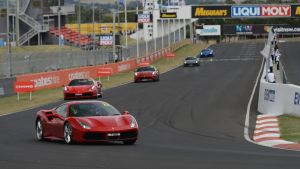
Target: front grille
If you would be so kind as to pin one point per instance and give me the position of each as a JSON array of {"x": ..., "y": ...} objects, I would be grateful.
[
  {"x": 130, "y": 134},
  {"x": 87, "y": 94},
  {"x": 103, "y": 136},
  {"x": 70, "y": 95},
  {"x": 95, "y": 136}
]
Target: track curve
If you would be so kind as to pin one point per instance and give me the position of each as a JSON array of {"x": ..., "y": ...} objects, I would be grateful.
[{"x": 192, "y": 118}]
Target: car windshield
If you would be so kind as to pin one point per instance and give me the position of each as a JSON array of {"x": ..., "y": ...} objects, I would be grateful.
[
  {"x": 190, "y": 58},
  {"x": 92, "y": 109},
  {"x": 80, "y": 82},
  {"x": 142, "y": 69}
]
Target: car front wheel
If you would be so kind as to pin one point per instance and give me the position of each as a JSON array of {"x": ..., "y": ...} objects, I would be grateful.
[
  {"x": 68, "y": 133},
  {"x": 39, "y": 130}
]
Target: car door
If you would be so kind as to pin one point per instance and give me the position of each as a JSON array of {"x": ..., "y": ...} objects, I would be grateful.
[{"x": 58, "y": 121}]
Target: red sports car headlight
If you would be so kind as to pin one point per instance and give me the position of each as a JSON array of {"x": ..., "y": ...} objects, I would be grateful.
[
  {"x": 136, "y": 73},
  {"x": 133, "y": 123},
  {"x": 92, "y": 88},
  {"x": 83, "y": 125},
  {"x": 66, "y": 88}
]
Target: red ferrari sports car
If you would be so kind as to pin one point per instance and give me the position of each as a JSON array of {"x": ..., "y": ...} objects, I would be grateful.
[
  {"x": 146, "y": 73},
  {"x": 83, "y": 88},
  {"x": 86, "y": 121}
]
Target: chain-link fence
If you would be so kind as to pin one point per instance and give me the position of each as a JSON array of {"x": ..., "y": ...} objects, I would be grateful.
[{"x": 33, "y": 62}]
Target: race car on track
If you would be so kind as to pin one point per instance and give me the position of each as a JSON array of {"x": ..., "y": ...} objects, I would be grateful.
[
  {"x": 206, "y": 53},
  {"x": 191, "y": 61},
  {"x": 82, "y": 88},
  {"x": 146, "y": 73},
  {"x": 86, "y": 121}
]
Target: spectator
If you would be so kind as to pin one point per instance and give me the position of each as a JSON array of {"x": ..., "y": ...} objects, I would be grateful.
[
  {"x": 277, "y": 56},
  {"x": 271, "y": 77},
  {"x": 116, "y": 58},
  {"x": 271, "y": 65},
  {"x": 273, "y": 54}
]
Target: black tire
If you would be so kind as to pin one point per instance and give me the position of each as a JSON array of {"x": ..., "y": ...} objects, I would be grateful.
[
  {"x": 68, "y": 133},
  {"x": 39, "y": 130},
  {"x": 129, "y": 142}
]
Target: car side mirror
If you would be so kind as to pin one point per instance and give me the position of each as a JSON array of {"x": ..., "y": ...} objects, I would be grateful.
[{"x": 125, "y": 112}]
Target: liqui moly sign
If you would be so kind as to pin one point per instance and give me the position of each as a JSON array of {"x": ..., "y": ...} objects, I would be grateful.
[{"x": 261, "y": 11}]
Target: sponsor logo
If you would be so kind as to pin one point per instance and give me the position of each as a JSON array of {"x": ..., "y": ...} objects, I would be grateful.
[
  {"x": 286, "y": 29},
  {"x": 79, "y": 75},
  {"x": 123, "y": 67},
  {"x": 269, "y": 95},
  {"x": 261, "y": 11},
  {"x": 106, "y": 40},
  {"x": 297, "y": 11},
  {"x": 24, "y": 87},
  {"x": 245, "y": 11},
  {"x": 168, "y": 15},
  {"x": 276, "y": 11},
  {"x": 209, "y": 30},
  {"x": 244, "y": 29},
  {"x": 297, "y": 98},
  {"x": 202, "y": 12},
  {"x": 46, "y": 81},
  {"x": 144, "y": 18}
]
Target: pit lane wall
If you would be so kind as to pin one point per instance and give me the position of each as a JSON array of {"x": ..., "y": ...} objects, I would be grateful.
[
  {"x": 277, "y": 98},
  {"x": 59, "y": 78}
]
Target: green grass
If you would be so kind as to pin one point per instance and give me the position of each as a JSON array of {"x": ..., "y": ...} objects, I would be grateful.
[
  {"x": 290, "y": 128},
  {"x": 10, "y": 104}
]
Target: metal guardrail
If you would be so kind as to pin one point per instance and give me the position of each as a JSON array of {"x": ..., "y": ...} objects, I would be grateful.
[{"x": 283, "y": 74}]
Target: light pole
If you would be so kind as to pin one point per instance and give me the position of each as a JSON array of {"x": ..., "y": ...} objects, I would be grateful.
[
  {"x": 78, "y": 21},
  {"x": 93, "y": 25},
  {"x": 8, "y": 39},
  {"x": 59, "y": 26},
  {"x": 126, "y": 35},
  {"x": 137, "y": 31}
]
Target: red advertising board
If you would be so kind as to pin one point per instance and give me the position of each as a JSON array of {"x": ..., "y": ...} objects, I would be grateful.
[
  {"x": 144, "y": 63},
  {"x": 103, "y": 72},
  {"x": 23, "y": 87},
  {"x": 170, "y": 55},
  {"x": 276, "y": 11}
]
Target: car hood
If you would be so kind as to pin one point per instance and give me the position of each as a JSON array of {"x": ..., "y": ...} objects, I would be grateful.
[
  {"x": 145, "y": 73},
  {"x": 83, "y": 88},
  {"x": 190, "y": 61},
  {"x": 207, "y": 51},
  {"x": 106, "y": 122}
]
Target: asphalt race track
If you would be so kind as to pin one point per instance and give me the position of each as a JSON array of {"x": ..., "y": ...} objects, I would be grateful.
[
  {"x": 193, "y": 118},
  {"x": 291, "y": 60}
]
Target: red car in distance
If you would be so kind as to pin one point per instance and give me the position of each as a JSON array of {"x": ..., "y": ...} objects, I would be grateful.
[
  {"x": 146, "y": 73},
  {"x": 86, "y": 121},
  {"x": 82, "y": 88}
]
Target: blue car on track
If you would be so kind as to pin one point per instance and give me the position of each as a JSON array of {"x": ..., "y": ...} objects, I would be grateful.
[{"x": 206, "y": 53}]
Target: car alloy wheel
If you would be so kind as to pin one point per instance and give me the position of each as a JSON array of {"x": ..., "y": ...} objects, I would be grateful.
[
  {"x": 39, "y": 130},
  {"x": 68, "y": 133}
]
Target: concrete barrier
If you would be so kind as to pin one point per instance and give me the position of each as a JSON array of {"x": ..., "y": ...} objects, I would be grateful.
[{"x": 277, "y": 98}]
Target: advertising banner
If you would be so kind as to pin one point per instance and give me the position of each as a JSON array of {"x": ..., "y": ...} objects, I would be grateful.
[
  {"x": 209, "y": 30},
  {"x": 287, "y": 29},
  {"x": 261, "y": 11},
  {"x": 23, "y": 87},
  {"x": 144, "y": 18},
  {"x": 244, "y": 29},
  {"x": 295, "y": 11},
  {"x": 168, "y": 15},
  {"x": 106, "y": 40},
  {"x": 211, "y": 11}
]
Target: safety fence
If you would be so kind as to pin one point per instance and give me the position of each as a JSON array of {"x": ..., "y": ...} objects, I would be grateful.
[
  {"x": 16, "y": 63},
  {"x": 62, "y": 77}
]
